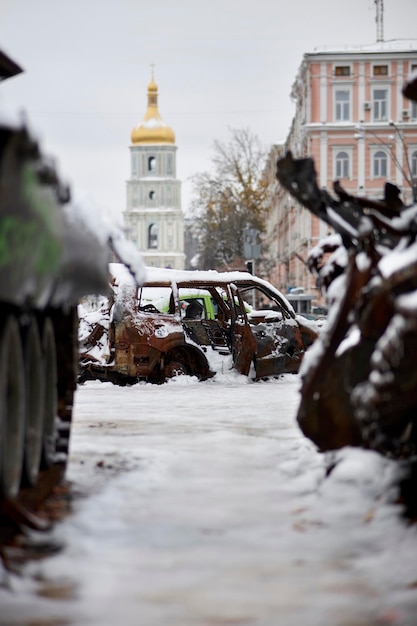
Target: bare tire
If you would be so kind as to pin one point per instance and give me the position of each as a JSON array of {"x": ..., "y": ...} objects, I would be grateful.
[
  {"x": 188, "y": 361},
  {"x": 174, "y": 368},
  {"x": 35, "y": 391},
  {"x": 12, "y": 408},
  {"x": 50, "y": 409},
  {"x": 177, "y": 362}
]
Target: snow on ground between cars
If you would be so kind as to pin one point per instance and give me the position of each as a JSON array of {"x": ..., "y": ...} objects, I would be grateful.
[{"x": 204, "y": 504}]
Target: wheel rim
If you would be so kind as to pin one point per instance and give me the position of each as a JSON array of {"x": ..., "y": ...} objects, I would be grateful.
[
  {"x": 34, "y": 404},
  {"x": 12, "y": 409},
  {"x": 176, "y": 364},
  {"x": 50, "y": 394},
  {"x": 174, "y": 368}
]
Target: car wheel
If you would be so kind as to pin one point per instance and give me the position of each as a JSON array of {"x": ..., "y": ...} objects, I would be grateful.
[
  {"x": 176, "y": 363},
  {"x": 51, "y": 394},
  {"x": 12, "y": 408},
  {"x": 35, "y": 384}
]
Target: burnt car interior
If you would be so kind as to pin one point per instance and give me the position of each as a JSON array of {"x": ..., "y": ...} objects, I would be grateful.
[
  {"x": 212, "y": 328},
  {"x": 170, "y": 324},
  {"x": 205, "y": 313},
  {"x": 208, "y": 316}
]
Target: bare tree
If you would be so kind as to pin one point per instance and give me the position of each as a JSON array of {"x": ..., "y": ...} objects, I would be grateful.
[{"x": 229, "y": 199}]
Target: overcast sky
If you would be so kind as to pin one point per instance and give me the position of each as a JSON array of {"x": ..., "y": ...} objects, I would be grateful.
[{"x": 219, "y": 64}]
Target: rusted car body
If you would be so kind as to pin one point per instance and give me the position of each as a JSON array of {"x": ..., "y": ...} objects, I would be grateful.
[{"x": 182, "y": 322}]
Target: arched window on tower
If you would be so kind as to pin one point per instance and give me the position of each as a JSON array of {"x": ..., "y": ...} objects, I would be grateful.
[
  {"x": 380, "y": 164},
  {"x": 151, "y": 195},
  {"x": 153, "y": 236},
  {"x": 151, "y": 164}
]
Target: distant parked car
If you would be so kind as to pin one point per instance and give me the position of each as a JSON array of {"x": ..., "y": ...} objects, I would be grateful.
[{"x": 179, "y": 320}]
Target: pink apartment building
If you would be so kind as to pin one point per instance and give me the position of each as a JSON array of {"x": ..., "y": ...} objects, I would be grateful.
[{"x": 352, "y": 118}]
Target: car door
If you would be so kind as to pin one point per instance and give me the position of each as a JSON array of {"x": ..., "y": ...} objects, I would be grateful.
[
  {"x": 279, "y": 345},
  {"x": 242, "y": 339}
]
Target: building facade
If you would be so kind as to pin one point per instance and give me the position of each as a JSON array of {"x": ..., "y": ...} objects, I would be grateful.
[
  {"x": 352, "y": 118},
  {"x": 153, "y": 216}
]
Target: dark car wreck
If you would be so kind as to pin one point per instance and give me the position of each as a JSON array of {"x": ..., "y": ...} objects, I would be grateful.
[{"x": 183, "y": 322}]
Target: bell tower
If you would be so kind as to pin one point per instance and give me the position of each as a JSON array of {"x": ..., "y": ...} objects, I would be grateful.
[{"x": 153, "y": 216}]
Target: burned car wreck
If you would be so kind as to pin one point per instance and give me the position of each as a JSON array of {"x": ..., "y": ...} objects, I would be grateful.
[{"x": 184, "y": 322}]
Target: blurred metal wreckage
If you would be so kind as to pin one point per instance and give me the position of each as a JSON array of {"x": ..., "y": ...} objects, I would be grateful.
[
  {"x": 52, "y": 253},
  {"x": 359, "y": 381}
]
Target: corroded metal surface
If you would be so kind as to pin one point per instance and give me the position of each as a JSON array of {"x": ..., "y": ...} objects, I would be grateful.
[
  {"x": 137, "y": 335},
  {"x": 360, "y": 387}
]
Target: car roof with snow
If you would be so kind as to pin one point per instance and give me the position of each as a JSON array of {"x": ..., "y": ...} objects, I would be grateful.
[{"x": 158, "y": 277}]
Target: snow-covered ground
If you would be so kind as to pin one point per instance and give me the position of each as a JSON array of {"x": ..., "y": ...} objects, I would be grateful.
[{"x": 202, "y": 504}]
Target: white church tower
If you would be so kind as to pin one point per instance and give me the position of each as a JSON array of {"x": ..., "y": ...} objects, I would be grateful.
[{"x": 153, "y": 216}]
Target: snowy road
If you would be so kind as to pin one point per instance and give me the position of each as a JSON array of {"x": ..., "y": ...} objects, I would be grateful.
[{"x": 202, "y": 504}]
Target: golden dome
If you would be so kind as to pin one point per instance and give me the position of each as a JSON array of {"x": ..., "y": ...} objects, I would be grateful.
[
  {"x": 152, "y": 87},
  {"x": 152, "y": 129}
]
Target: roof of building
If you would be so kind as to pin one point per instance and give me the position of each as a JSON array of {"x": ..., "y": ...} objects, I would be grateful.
[{"x": 392, "y": 45}]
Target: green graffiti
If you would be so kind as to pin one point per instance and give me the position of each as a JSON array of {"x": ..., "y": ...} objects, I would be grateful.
[{"x": 21, "y": 241}]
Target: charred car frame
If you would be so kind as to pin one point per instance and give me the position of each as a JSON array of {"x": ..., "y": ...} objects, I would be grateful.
[{"x": 178, "y": 321}]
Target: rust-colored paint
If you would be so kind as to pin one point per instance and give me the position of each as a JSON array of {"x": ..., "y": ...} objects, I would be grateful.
[{"x": 148, "y": 344}]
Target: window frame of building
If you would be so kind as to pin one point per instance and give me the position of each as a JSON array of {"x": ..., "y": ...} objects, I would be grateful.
[
  {"x": 380, "y": 69},
  {"x": 342, "y": 162},
  {"x": 342, "y": 108},
  {"x": 342, "y": 71},
  {"x": 378, "y": 103},
  {"x": 151, "y": 163},
  {"x": 380, "y": 161},
  {"x": 153, "y": 236}
]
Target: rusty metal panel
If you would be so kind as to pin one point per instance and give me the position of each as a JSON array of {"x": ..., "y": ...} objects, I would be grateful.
[
  {"x": 361, "y": 386},
  {"x": 152, "y": 343}
]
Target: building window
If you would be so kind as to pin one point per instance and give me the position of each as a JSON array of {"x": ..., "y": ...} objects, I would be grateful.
[
  {"x": 151, "y": 164},
  {"x": 151, "y": 195},
  {"x": 153, "y": 236},
  {"x": 342, "y": 70},
  {"x": 342, "y": 165},
  {"x": 380, "y": 163},
  {"x": 380, "y": 70},
  {"x": 342, "y": 105},
  {"x": 380, "y": 105},
  {"x": 414, "y": 164}
]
